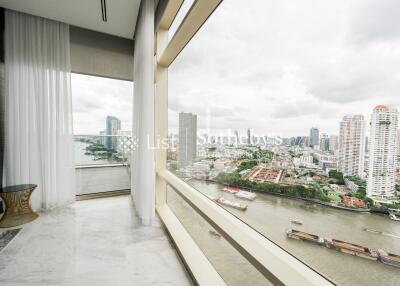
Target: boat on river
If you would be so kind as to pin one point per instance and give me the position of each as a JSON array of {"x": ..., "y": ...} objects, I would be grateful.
[
  {"x": 246, "y": 195},
  {"x": 229, "y": 203},
  {"x": 231, "y": 190},
  {"x": 351, "y": 248},
  {"x": 395, "y": 217},
  {"x": 296, "y": 221},
  {"x": 300, "y": 235},
  {"x": 389, "y": 258}
]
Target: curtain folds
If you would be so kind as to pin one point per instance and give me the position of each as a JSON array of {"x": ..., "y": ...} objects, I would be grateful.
[
  {"x": 38, "y": 110},
  {"x": 143, "y": 165}
]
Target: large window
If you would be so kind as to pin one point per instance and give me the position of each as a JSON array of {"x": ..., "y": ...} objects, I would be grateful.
[
  {"x": 285, "y": 114},
  {"x": 102, "y": 117}
]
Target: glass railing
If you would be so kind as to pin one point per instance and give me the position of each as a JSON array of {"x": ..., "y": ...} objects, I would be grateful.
[{"x": 102, "y": 163}]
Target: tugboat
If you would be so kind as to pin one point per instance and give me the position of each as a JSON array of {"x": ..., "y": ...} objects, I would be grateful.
[{"x": 389, "y": 258}]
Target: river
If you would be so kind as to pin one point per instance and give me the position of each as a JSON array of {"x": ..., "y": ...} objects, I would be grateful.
[
  {"x": 271, "y": 215},
  {"x": 82, "y": 159}
]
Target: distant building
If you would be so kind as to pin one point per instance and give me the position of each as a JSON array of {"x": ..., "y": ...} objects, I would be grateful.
[
  {"x": 382, "y": 154},
  {"x": 113, "y": 126},
  {"x": 314, "y": 137},
  {"x": 351, "y": 145},
  {"x": 333, "y": 143},
  {"x": 324, "y": 142},
  {"x": 187, "y": 149},
  {"x": 249, "y": 136},
  {"x": 237, "y": 137}
]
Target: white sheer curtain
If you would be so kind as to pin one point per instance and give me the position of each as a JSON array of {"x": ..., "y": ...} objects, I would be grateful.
[
  {"x": 143, "y": 166},
  {"x": 38, "y": 115}
]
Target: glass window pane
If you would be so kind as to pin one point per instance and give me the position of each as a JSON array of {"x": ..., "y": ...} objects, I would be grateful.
[
  {"x": 285, "y": 113},
  {"x": 102, "y": 115}
]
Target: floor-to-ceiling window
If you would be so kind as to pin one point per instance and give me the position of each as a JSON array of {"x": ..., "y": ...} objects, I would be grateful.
[
  {"x": 285, "y": 114},
  {"x": 102, "y": 118}
]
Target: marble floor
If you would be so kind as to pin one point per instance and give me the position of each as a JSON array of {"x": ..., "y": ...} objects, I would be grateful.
[{"x": 94, "y": 242}]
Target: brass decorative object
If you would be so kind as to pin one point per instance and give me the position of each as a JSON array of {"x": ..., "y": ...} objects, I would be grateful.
[{"x": 18, "y": 210}]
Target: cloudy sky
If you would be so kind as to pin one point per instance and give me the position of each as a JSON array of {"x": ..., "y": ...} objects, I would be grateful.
[
  {"x": 93, "y": 98},
  {"x": 282, "y": 66}
]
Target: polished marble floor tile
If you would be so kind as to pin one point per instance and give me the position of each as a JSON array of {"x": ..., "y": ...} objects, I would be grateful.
[{"x": 94, "y": 242}]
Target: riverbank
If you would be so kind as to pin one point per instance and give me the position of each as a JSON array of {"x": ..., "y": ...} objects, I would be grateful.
[{"x": 293, "y": 197}]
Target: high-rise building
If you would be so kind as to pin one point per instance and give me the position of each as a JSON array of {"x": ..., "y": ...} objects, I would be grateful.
[
  {"x": 237, "y": 137},
  {"x": 398, "y": 145},
  {"x": 113, "y": 126},
  {"x": 324, "y": 142},
  {"x": 314, "y": 137},
  {"x": 382, "y": 154},
  {"x": 351, "y": 145},
  {"x": 249, "y": 136},
  {"x": 333, "y": 143},
  {"x": 187, "y": 150}
]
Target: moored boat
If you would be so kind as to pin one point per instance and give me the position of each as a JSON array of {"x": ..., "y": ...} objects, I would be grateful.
[
  {"x": 296, "y": 234},
  {"x": 246, "y": 195},
  {"x": 351, "y": 248},
  {"x": 395, "y": 217},
  {"x": 235, "y": 205},
  {"x": 389, "y": 258},
  {"x": 231, "y": 190}
]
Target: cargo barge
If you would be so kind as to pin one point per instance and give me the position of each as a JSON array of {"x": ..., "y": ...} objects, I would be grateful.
[
  {"x": 348, "y": 248},
  {"x": 351, "y": 248}
]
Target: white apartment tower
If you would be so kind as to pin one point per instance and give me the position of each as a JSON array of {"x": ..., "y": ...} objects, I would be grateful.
[
  {"x": 187, "y": 149},
  {"x": 382, "y": 154},
  {"x": 351, "y": 145}
]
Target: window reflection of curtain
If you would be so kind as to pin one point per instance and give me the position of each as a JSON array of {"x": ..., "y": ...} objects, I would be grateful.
[{"x": 38, "y": 113}]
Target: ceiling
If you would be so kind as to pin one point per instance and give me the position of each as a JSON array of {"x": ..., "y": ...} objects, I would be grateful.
[{"x": 121, "y": 14}]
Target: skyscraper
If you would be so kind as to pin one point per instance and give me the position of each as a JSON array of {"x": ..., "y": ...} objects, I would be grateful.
[
  {"x": 333, "y": 143},
  {"x": 382, "y": 154},
  {"x": 249, "y": 136},
  {"x": 113, "y": 126},
  {"x": 314, "y": 137},
  {"x": 187, "y": 149},
  {"x": 351, "y": 145}
]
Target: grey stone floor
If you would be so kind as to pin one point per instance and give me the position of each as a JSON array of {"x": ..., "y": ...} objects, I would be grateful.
[{"x": 94, "y": 242}]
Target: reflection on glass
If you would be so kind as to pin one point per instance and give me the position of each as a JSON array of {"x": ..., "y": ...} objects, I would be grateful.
[{"x": 285, "y": 122}]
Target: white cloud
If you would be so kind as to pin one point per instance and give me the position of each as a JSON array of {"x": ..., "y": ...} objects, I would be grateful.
[
  {"x": 281, "y": 67},
  {"x": 93, "y": 98}
]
